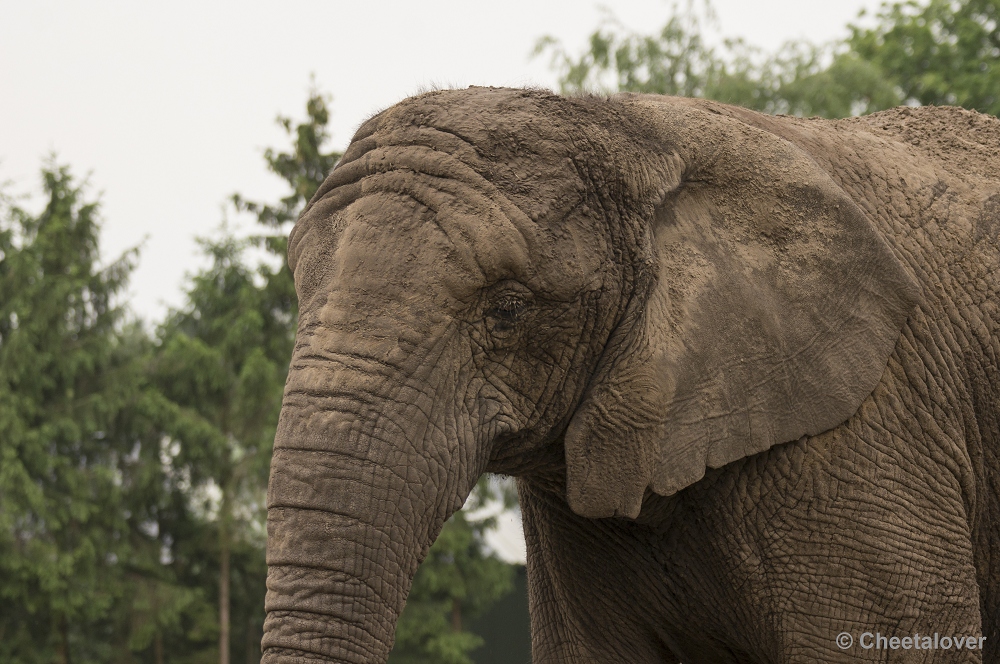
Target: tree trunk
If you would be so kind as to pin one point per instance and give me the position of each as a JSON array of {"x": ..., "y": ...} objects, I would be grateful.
[
  {"x": 64, "y": 640},
  {"x": 224, "y": 545},
  {"x": 253, "y": 644},
  {"x": 456, "y": 615},
  {"x": 158, "y": 647}
]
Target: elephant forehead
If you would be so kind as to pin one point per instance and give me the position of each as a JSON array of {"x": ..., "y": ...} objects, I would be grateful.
[
  {"x": 415, "y": 197},
  {"x": 540, "y": 150},
  {"x": 396, "y": 246}
]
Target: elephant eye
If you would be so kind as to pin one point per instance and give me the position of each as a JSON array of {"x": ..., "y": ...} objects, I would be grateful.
[
  {"x": 509, "y": 307},
  {"x": 504, "y": 314}
]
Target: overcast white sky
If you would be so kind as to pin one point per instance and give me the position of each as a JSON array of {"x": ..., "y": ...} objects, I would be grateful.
[{"x": 168, "y": 106}]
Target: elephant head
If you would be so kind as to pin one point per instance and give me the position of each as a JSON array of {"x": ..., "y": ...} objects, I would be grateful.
[{"x": 613, "y": 294}]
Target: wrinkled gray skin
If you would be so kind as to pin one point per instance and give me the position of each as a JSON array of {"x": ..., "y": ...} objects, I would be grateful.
[{"x": 743, "y": 367}]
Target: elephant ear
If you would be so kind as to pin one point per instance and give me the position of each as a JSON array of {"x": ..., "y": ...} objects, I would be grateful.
[{"x": 771, "y": 310}]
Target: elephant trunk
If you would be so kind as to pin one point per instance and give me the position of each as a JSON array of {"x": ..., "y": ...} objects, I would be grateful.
[{"x": 349, "y": 521}]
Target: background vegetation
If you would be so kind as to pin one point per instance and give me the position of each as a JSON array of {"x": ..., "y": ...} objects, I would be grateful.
[
  {"x": 134, "y": 460},
  {"x": 944, "y": 52}
]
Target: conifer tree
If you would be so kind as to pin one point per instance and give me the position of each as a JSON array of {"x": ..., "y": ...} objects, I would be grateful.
[
  {"x": 66, "y": 375},
  {"x": 221, "y": 364}
]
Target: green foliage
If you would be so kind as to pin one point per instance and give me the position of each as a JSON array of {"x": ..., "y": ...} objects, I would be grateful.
[
  {"x": 304, "y": 168},
  {"x": 458, "y": 580},
  {"x": 133, "y": 472},
  {"x": 66, "y": 376},
  {"x": 942, "y": 52},
  {"x": 805, "y": 85},
  {"x": 222, "y": 356},
  {"x": 675, "y": 61},
  {"x": 220, "y": 368},
  {"x": 799, "y": 79},
  {"x": 102, "y": 550}
]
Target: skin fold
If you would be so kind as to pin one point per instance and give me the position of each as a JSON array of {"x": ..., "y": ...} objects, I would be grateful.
[{"x": 743, "y": 367}]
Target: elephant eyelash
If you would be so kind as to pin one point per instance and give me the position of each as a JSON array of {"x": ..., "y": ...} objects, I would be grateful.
[
  {"x": 506, "y": 313},
  {"x": 509, "y": 307}
]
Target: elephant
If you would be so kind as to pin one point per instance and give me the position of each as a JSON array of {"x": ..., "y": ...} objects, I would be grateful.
[{"x": 743, "y": 367}]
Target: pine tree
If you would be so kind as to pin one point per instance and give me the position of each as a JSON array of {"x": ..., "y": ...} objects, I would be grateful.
[
  {"x": 66, "y": 375},
  {"x": 221, "y": 366}
]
